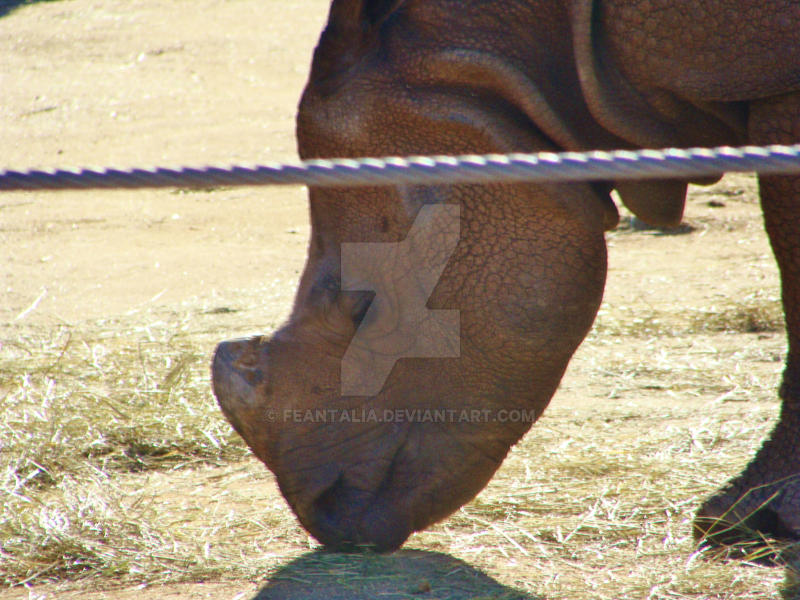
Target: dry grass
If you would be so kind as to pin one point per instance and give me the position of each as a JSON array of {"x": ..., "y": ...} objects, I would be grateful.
[
  {"x": 753, "y": 314},
  {"x": 118, "y": 467},
  {"x": 81, "y": 408},
  {"x": 74, "y": 397}
]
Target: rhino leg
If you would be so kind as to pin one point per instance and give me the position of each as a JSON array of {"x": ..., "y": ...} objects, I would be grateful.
[{"x": 765, "y": 499}]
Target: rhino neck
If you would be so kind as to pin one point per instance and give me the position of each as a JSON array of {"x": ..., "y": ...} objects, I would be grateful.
[
  {"x": 523, "y": 55},
  {"x": 543, "y": 59},
  {"x": 645, "y": 117}
]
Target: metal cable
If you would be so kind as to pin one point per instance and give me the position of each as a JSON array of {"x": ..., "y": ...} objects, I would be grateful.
[{"x": 677, "y": 163}]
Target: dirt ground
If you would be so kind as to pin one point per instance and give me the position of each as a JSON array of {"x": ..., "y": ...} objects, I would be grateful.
[{"x": 111, "y": 82}]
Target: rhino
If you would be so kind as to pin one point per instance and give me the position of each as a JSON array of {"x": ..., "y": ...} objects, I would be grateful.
[{"x": 425, "y": 313}]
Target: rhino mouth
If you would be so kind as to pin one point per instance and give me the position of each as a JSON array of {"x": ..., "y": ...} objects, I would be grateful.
[
  {"x": 362, "y": 507},
  {"x": 354, "y": 483},
  {"x": 349, "y": 503},
  {"x": 345, "y": 518}
]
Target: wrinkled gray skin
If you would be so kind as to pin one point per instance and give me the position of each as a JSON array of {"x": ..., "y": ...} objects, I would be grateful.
[{"x": 462, "y": 76}]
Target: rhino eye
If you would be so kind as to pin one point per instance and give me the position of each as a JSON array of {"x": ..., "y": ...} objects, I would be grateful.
[
  {"x": 361, "y": 306},
  {"x": 324, "y": 291}
]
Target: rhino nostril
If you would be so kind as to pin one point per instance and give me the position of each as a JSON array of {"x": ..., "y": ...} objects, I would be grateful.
[
  {"x": 242, "y": 357},
  {"x": 248, "y": 354},
  {"x": 247, "y": 360}
]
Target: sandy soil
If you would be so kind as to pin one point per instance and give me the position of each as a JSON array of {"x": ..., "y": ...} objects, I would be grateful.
[
  {"x": 212, "y": 81},
  {"x": 168, "y": 82},
  {"x": 155, "y": 82}
]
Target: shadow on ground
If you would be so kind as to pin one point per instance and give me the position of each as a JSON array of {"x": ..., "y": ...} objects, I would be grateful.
[
  {"x": 8, "y": 6},
  {"x": 406, "y": 575}
]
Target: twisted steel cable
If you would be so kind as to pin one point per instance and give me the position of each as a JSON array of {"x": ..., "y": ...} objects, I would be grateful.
[{"x": 677, "y": 163}]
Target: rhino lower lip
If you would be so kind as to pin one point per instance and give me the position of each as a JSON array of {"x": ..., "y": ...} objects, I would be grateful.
[
  {"x": 374, "y": 527},
  {"x": 346, "y": 518},
  {"x": 329, "y": 525}
]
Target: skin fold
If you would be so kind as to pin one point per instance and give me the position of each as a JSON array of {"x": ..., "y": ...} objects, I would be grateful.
[{"x": 525, "y": 274}]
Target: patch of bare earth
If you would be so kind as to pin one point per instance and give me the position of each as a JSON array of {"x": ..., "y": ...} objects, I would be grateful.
[{"x": 119, "y": 477}]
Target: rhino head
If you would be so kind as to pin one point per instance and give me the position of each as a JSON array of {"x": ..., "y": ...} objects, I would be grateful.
[{"x": 432, "y": 324}]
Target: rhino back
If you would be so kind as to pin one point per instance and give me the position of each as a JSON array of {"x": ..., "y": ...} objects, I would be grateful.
[{"x": 715, "y": 50}]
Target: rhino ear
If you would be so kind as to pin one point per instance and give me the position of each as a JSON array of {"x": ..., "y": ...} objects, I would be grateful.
[
  {"x": 377, "y": 11},
  {"x": 351, "y": 33},
  {"x": 360, "y": 15}
]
